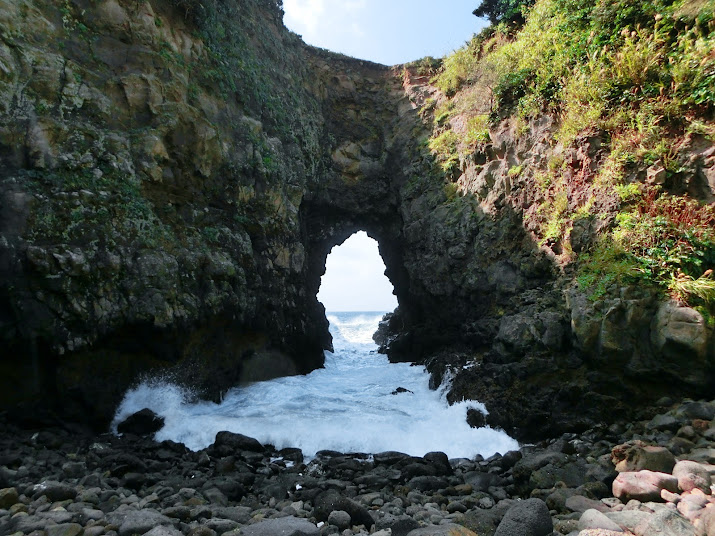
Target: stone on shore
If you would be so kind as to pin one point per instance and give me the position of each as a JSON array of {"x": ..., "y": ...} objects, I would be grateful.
[
  {"x": 637, "y": 456},
  {"x": 593, "y": 519},
  {"x": 526, "y": 518},
  {"x": 449, "y": 529},
  {"x": 132, "y": 522},
  {"x": 142, "y": 423},
  {"x": 283, "y": 526},
  {"x": 693, "y": 475},
  {"x": 643, "y": 486}
]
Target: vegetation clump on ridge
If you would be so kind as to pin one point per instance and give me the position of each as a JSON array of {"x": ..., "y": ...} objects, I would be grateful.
[{"x": 640, "y": 76}]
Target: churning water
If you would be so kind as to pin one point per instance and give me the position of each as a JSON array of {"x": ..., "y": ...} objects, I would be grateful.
[{"x": 348, "y": 406}]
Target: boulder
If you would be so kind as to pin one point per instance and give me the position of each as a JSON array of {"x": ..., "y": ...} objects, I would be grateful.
[
  {"x": 340, "y": 519},
  {"x": 665, "y": 522},
  {"x": 132, "y": 522},
  {"x": 693, "y": 475},
  {"x": 330, "y": 501},
  {"x": 54, "y": 491},
  {"x": 643, "y": 486},
  {"x": 593, "y": 519},
  {"x": 8, "y": 497},
  {"x": 526, "y": 518},
  {"x": 142, "y": 423},
  {"x": 637, "y": 456},
  {"x": 679, "y": 331},
  {"x": 236, "y": 442}
]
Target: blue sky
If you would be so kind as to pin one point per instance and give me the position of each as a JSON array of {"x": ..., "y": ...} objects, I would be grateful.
[{"x": 384, "y": 31}]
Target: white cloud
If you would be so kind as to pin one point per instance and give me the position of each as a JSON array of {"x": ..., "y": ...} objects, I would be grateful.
[
  {"x": 354, "y": 279},
  {"x": 304, "y": 16}
]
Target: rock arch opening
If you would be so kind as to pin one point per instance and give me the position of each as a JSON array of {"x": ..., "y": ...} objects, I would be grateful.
[{"x": 355, "y": 279}]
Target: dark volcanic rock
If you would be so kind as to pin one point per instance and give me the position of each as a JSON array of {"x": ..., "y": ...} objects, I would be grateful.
[
  {"x": 331, "y": 500},
  {"x": 233, "y": 443},
  {"x": 526, "y": 518},
  {"x": 141, "y": 423}
]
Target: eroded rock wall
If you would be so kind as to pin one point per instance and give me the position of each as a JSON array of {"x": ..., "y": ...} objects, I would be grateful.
[
  {"x": 154, "y": 160},
  {"x": 175, "y": 173}
]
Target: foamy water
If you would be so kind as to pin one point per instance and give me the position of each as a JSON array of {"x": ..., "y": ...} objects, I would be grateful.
[{"x": 348, "y": 406}]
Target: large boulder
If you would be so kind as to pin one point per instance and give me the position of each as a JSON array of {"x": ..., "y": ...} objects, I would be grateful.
[
  {"x": 526, "y": 518},
  {"x": 692, "y": 475},
  {"x": 330, "y": 501},
  {"x": 643, "y": 485},
  {"x": 637, "y": 456},
  {"x": 142, "y": 423}
]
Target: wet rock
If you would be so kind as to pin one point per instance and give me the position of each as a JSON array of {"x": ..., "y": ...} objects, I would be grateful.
[
  {"x": 142, "y": 423},
  {"x": 476, "y": 418},
  {"x": 526, "y": 518},
  {"x": 232, "y": 443},
  {"x": 54, "y": 491},
  {"x": 643, "y": 485}
]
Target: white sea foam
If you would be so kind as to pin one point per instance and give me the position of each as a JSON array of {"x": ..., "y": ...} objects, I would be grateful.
[{"x": 347, "y": 406}]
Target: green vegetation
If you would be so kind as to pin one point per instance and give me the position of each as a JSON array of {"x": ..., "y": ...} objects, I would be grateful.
[{"x": 640, "y": 76}]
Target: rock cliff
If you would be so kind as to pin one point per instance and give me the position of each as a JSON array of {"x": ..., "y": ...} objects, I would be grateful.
[{"x": 175, "y": 173}]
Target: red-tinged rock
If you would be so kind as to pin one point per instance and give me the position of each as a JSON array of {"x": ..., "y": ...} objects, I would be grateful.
[
  {"x": 693, "y": 475},
  {"x": 643, "y": 486}
]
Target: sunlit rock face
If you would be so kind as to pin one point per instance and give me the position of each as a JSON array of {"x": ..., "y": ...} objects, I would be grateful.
[{"x": 174, "y": 178}]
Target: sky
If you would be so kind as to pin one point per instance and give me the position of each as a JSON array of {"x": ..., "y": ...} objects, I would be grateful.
[
  {"x": 354, "y": 278},
  {"x": 384, "y": 31}
]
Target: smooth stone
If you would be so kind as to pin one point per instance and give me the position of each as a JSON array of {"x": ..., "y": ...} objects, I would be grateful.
[
  {"x": 282, "y": 526},
  {"x": 8, "y": 498},
  {"x": 643, "y": 485},
  {"x": 526, "y": 518},
  {"x": 693, "y": 475},
  {"x": 137, "y": 521},
  {"x": 54, "y": 491},
  {"x": 593, "y": 519},
  {"x": 339, "y": 518}
]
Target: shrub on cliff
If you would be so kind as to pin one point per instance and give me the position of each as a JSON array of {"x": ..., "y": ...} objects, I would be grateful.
[{"x": 638, "y": 75}]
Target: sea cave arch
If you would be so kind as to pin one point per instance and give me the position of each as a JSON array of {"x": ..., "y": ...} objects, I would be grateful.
[{"x": 327, "y": 227}]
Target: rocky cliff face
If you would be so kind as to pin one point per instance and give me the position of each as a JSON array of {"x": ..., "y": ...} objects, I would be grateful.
[{"x": 174, "y": 176}]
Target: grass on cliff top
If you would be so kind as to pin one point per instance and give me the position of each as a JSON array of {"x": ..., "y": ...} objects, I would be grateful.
[{"x": 640, "y": 76}]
